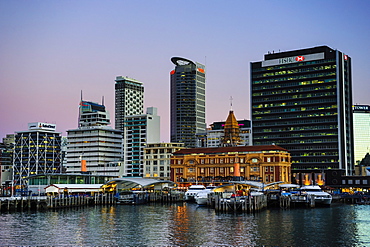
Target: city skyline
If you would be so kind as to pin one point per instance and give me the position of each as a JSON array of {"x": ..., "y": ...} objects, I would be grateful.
[{"x": 53, "y": 50}]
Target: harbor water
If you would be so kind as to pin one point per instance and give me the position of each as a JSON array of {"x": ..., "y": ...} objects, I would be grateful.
[{"x": 187, "y": 224}]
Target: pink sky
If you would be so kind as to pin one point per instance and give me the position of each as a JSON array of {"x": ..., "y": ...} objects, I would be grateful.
[{"x": 51, "y": 50}]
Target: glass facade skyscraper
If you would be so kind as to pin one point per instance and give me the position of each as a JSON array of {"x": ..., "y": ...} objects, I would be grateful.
[
  {"x": 139, "y": 131},
  {"x": 302, "y": 101},
  {"x": 188, "y": 103}
]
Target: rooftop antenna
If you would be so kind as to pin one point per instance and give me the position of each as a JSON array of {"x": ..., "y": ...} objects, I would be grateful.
[
  {"x": 102, "y": 100},
  {"x": 79, "y": 111},
  {"x": 231, "y": 103}
]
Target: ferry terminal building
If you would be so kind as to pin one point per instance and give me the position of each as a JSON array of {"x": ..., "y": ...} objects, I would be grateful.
[{"x": 217, "y": 166}]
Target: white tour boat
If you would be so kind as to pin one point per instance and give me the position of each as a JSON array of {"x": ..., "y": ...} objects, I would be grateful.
[
  {"x": 192, "y": 191},
  {"x": 321, "y": 197},
  {"x": 201, "y": 197}
]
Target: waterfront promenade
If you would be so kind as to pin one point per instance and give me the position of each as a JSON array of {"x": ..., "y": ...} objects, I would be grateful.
[
  {"x": 219, "y": 202},
  {"x": 52, "y": 202}
]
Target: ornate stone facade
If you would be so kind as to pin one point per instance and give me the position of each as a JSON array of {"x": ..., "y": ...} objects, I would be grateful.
[{"x": 217, "y": 166}]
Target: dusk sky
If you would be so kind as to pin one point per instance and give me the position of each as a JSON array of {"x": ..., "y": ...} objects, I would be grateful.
[{"x": 51, "y": 50}]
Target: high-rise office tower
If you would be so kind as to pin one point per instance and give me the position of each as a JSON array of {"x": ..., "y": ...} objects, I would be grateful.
[
  {"x": 361, "y": 131},
  {"x": 302, "y": 100},
  {"x": 129, "y": 99},
  {"x": 94, "y": 147},
  {"x": 188, "y": 103}
]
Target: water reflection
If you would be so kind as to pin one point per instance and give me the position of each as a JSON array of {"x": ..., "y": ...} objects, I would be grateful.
[{"x": 187, "y": 225}]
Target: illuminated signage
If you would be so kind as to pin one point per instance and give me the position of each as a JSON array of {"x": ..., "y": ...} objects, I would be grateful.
[
  {"x": 294, "y": 59},
  {"x": 299, "y": 58},
  {"x": 201, "y": 70},
  {"x": 41, "y": 126},
  {"x": 361, "y": 108}
]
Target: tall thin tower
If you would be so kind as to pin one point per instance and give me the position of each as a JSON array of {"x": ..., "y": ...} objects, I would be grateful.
[
  {"x": 188, "y": 107},
  {"x": 129, "y": 99}
]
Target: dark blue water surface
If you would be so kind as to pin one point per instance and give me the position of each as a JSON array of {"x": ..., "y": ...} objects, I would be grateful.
[{"x": 187, "y": 224}]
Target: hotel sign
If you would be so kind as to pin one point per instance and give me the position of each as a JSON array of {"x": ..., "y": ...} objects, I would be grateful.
[{"x": 294, "y": 59}]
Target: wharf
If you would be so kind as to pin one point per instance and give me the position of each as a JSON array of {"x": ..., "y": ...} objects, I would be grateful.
[
  {"x": 241, "y": 203},
  {"x": 51, "y": 202},
  {"x": 222, "y": 203},
  {"x": 18, "y": 203},
  {"x": 358, "y": 198}
]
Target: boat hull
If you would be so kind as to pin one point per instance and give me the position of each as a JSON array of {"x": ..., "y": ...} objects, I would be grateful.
[
  {"x": 322, "y": 200},
  {"x": 201, "y": 201}
]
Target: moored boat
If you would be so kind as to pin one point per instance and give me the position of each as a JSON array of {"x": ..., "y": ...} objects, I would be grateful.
[
  {"x": 201, "y": 197},
  {"x": 192, "y": 191},
  {"x": 132, "y": 197},
  {"x": 321, "y": 197}
]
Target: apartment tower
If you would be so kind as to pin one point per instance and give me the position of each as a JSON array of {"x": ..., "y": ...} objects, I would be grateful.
[
  {"x": 139, "y": 130},
  {"x": 129, "y": 99}
]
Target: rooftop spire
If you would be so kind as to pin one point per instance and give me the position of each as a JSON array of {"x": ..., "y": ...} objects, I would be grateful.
[{"x": 231, "y": 131}]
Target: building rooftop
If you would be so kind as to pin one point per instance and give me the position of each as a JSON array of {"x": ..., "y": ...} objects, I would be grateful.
[{"x": 240, "y": 149}]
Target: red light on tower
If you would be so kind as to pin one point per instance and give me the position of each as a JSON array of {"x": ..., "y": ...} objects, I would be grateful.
[{"x": 172, "y": 72}]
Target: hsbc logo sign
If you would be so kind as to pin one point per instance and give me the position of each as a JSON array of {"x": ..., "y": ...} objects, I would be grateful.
[
  {"x": 299, "y": 58},
  {"x": 294, "y": 59},
  {"x": 291, "y": 59}
]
